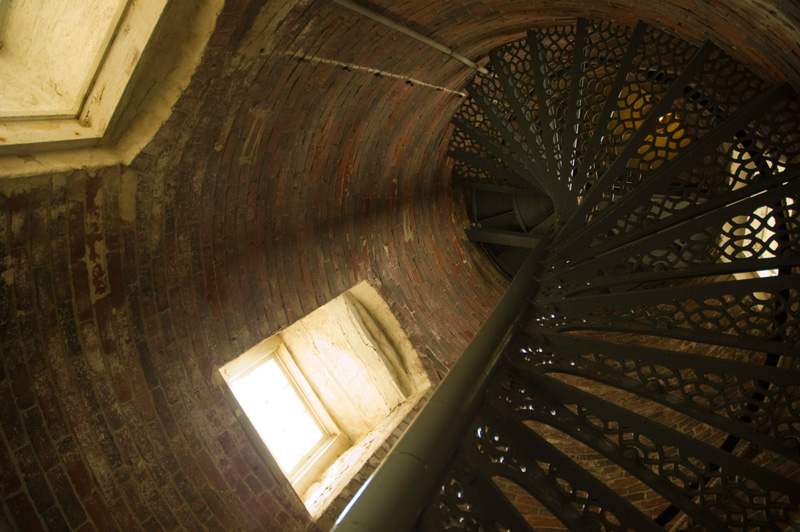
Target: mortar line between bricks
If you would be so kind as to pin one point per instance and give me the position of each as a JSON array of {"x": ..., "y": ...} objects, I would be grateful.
[{"x": 353, "y": 66}]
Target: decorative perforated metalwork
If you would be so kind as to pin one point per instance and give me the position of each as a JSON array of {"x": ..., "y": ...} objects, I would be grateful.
[{"x": 654, "y": 382}]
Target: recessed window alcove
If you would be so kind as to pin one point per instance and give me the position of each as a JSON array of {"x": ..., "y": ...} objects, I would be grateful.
[
  {"x": 347, "y": 376},
  {"x": 65, "y": 66}
]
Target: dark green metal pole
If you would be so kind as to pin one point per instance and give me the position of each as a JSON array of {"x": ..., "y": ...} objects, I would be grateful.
[{"x": 393, "y": 497}]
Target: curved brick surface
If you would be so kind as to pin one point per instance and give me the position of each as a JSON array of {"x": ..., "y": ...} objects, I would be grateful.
[{"x": 282, "y": 179}]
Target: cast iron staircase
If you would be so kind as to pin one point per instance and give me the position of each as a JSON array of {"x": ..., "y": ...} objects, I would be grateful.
[{"x": 653, "y": 380}]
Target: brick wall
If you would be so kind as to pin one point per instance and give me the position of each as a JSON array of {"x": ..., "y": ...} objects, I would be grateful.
[{"x": 307, "y": 154}]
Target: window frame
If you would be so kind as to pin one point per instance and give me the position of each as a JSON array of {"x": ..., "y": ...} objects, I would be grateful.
[
  {"x": 357, "y": 358},
  {"x": 326, "y": 450}
]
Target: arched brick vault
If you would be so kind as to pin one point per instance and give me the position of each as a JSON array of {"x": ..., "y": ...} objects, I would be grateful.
[{"x": 276, "y": 184}]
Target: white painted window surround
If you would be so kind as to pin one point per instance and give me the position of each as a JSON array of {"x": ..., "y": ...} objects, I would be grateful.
[
  {"x": 359, "y": 376},
  {"x": 64, "y": 67}
]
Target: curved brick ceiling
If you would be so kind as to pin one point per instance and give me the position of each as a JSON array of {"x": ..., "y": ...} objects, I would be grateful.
[{"x": 294, "y": 165}]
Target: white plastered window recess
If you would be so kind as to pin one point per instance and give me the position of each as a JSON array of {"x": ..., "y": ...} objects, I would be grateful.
[
  {"x": 65, "y": 67},
  {"x": 117, "y": 96},
  {"x": 351, "y": 377}
]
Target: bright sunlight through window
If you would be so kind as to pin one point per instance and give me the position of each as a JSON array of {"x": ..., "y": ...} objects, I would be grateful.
[
  {"x": 320, "y": 398},
  {"x": 284, "y": 411},
  {"x": 279, "y": 414}
]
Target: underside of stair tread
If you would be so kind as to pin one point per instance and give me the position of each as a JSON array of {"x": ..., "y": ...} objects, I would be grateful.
[
  {"x": 588, "y": 113},
  {"x": 662, "y": 178}
]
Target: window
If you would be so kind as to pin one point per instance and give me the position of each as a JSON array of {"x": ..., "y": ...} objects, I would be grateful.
[
  {"x": 319, "y": 398},
  {"x": 285, "y": 412},
  {"x": 280, "y": 414}
]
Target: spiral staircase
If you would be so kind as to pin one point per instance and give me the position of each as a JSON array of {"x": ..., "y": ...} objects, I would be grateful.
[{"x": 646, "y": 188}]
